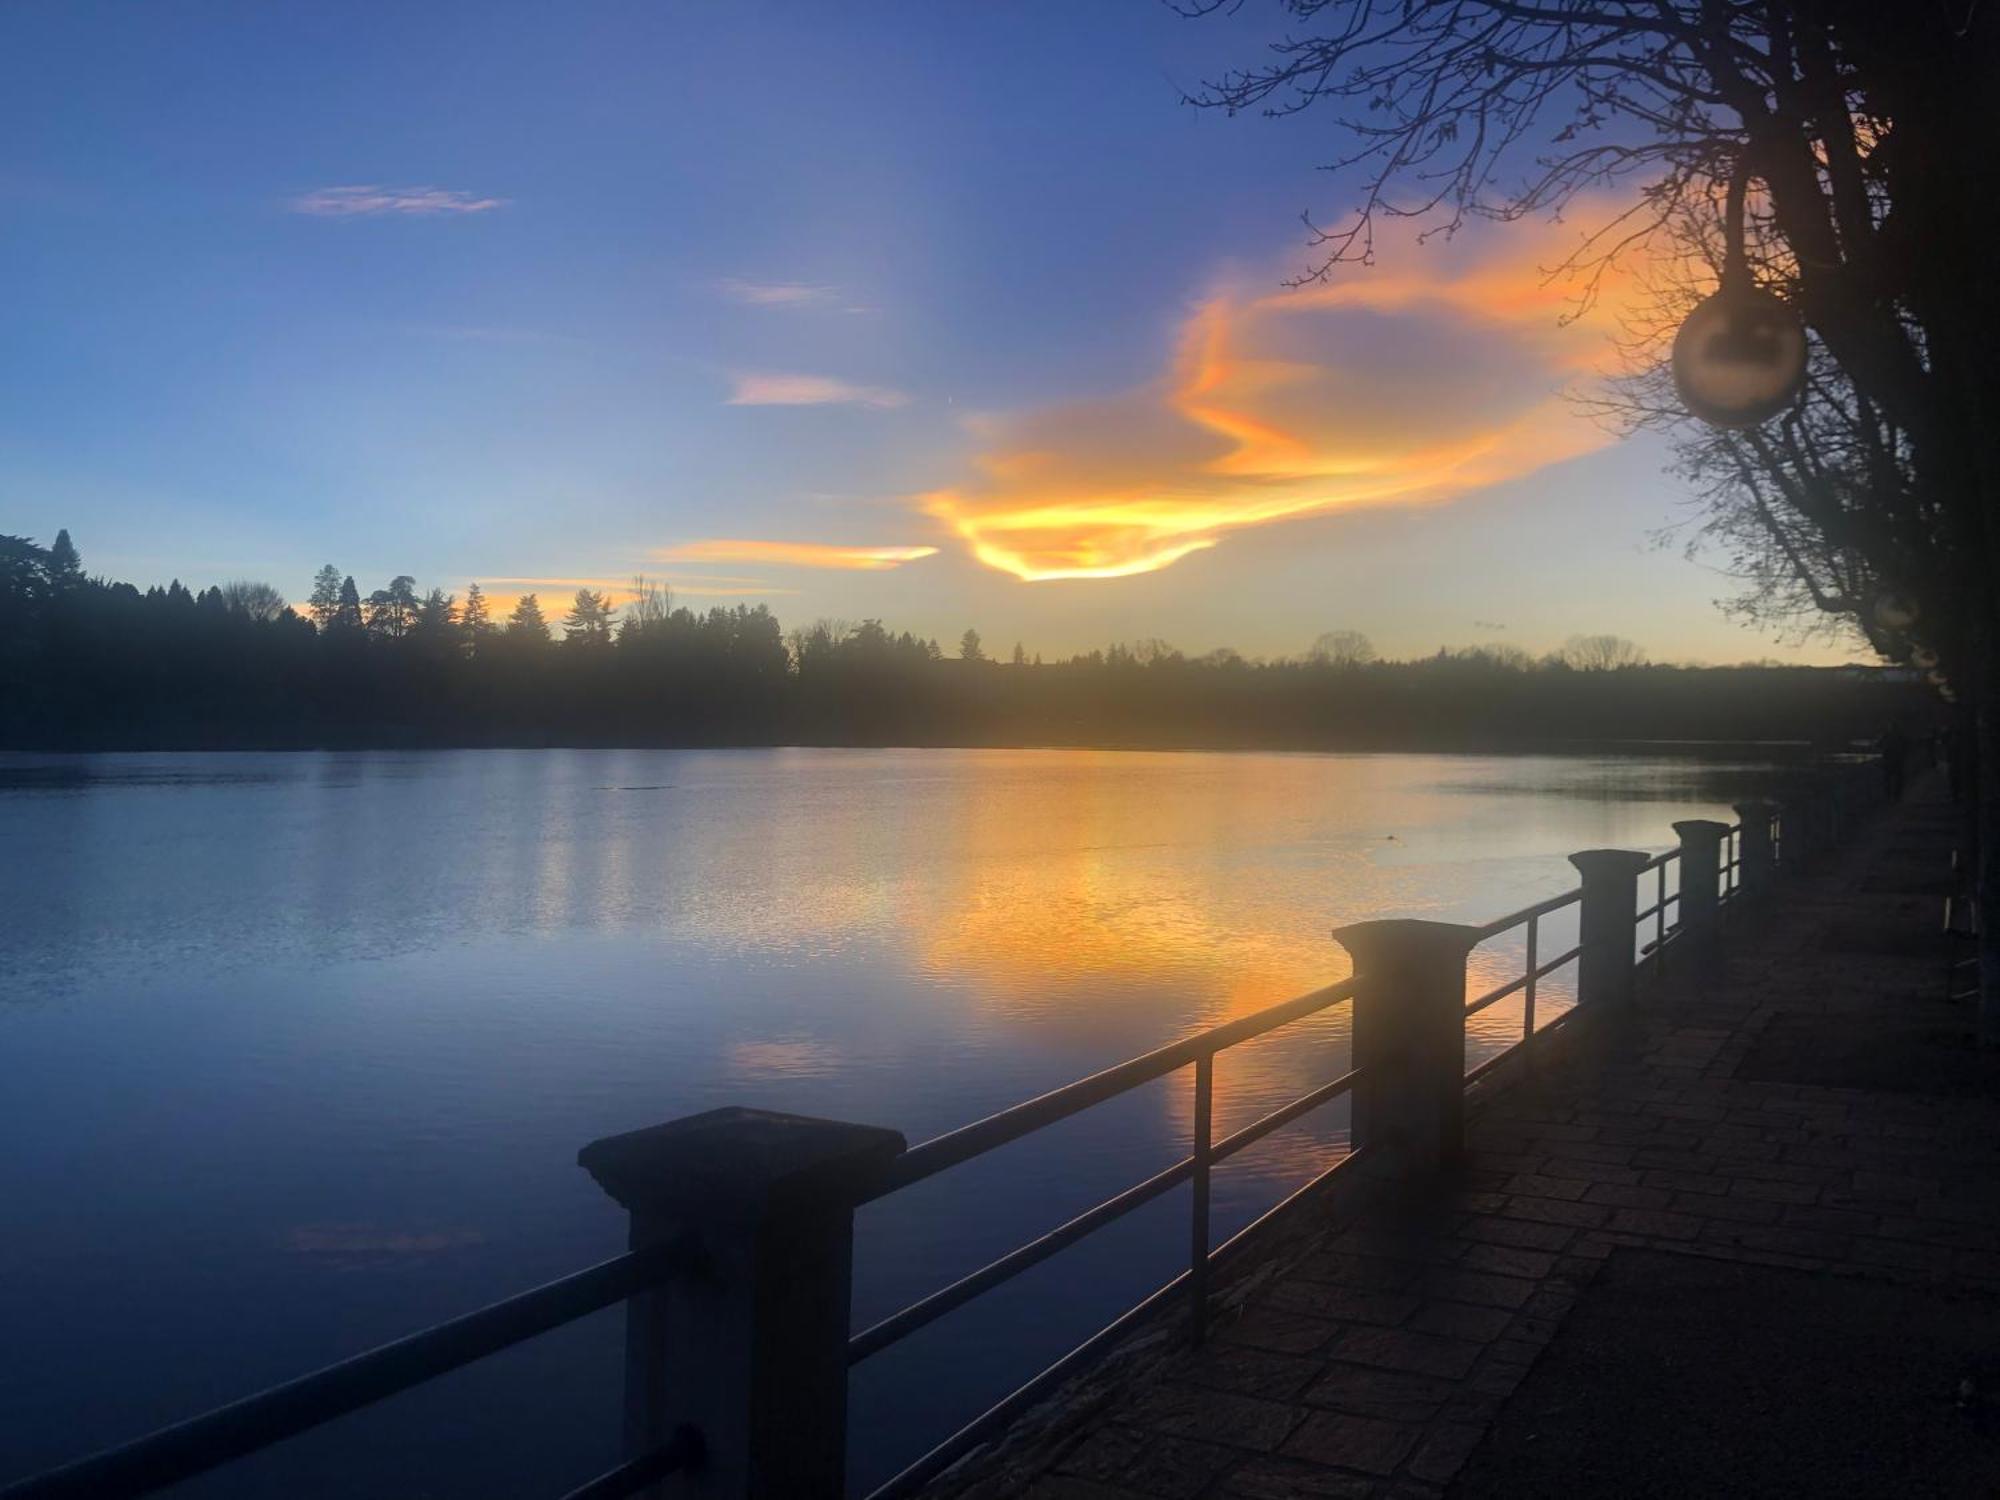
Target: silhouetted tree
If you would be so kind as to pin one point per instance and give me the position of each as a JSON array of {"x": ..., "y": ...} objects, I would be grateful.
[
  {"x": 588, "y": 623},
  {"x": 969, "y": 648},
  {"x": 1342, "y": 648},
  {"x": 257, "y": 601},
  {"x": 347, "y": 616},
  {"x": 1600, "y": 653},
  {"x": 475, "y": 627},
  {"x": 526, "y": 624},
  {"x": 324, "y": 601},
  {"x": 392, "y": 612},
  {"x": 65, "y": 565}
]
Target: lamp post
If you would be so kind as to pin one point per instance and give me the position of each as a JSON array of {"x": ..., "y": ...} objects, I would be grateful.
[{"x": 1740, "y": 358}]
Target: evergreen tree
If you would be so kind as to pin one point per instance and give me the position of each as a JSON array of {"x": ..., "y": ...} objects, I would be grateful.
[
  {"x": 526, "y": 624},
  {"x": 347, "y": 616},
  {"x": 324, "y": 602},
  {"x": 969, "y": 648},
  {"x": 392, "y": 612},
  {"x": 473, "y": 624},
  {"x": 65, "y": 563},
  {"x": 588, "y": 622},
  {"x": 437, "y": 621},
  {"x": 1020, "y": 655}
]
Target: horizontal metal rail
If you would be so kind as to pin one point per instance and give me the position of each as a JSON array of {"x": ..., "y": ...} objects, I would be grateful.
[
  {"x": 684, "y": 1450},
  {"x": 1250, "y": 1134},
  {"x": 1499, "y": 925},
  {"x": 230, "y": 1432},
  {"x": 919, "y": 1314},
  {"x": 922, "y": 1313},
  {"x": 1541, "y": 971},
  {"x": 1660, "y": 860},
  {"x": 961, "y": 1145}
]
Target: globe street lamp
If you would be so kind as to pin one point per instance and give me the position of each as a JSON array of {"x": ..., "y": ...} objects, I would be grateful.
[{"x": 1740, "y": 358}]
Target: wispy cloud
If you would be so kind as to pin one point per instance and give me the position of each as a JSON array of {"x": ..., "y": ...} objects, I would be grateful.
[
  {"x": 367, "y": 200},
  {"x": 776, "y": 293},
  {"x": 796, "y": 554},
  {"x": 811, "y": 390},
  {"x": 1444, "y": 371},
  {"x": 793, "y": 295}
]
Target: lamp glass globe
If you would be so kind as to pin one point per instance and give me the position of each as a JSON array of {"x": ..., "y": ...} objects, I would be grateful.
[{"x": 1740, "y": 358}]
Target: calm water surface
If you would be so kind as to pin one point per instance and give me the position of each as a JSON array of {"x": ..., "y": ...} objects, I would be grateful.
[{"x": 299, "y": 1049}]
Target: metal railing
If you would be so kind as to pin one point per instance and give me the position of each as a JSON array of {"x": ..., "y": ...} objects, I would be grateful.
[
  {"x": 962, "y": 1145},
  {"x": 207, "y": 1442},
  {"x": 1533, "y": 971}
]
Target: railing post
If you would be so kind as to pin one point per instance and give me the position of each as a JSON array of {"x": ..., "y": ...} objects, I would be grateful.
[
  {"x": 1409, "y": 1040},
  {"x": 748, "y": 1340},
  {"x": 1607, "y": 924},
  {"x": 1701, "y": 881},
  {"x": 1758, "y": 862}
]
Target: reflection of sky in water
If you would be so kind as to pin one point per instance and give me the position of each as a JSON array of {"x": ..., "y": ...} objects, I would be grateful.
[{"x": 305, "y": 1045}]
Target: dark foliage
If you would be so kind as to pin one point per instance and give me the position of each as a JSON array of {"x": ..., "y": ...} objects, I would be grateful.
[{"x": 87, "y": 664}]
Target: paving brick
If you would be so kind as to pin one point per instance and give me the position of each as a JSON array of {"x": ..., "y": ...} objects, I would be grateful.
[
  {"x": 1444, "y": 1449},
  {"x": 1248, "y": 1372},
  {"x": 1292, "y": 1479},
  {"x": 1536, "y": 1186},
  {"x": 1617, "y": 1195},
  {"x": 1262, "y": 1327},
  {"x": 1400, "y": 1349},
  {"x": 1556, "y": 1211},
  {"x": 1657, "y": 1223},
  {"x": 1342, "y": 1440},
  {"x": 1146, "y": 1462},
  {"x": 1773, "y": 1192},
  {"x": 1367, "y": 1392},
  {"x": 1363, "y": 1271},
  {"x": 1461, "y": 1320},
  {"x": 1346, "y": 1304},
  {"x": 1506, "y": 1260},
  {"x": 1716, "y": 1206},
  {"x": 1528, "y": 1236},
  {"x": 1212, "y": 1416},
  {"x": 1480, "y": 1287}
]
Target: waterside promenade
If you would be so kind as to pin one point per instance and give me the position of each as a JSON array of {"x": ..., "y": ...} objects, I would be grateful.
[{"x": 1742, "y": 1239}]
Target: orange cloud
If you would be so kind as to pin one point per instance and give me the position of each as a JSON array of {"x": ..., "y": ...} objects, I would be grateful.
[
  {"x": 796, "y": 554},
  {"x": 1443, "y": 372}
]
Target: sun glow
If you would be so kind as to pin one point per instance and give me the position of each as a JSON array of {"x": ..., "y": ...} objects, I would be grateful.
[{"x": 1450, "y": 374}]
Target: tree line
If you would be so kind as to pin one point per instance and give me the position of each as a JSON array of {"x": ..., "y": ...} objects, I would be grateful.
[{"x": 91, "y": 664}]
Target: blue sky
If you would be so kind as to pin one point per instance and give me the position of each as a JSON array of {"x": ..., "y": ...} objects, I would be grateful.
[{"x": 573, "y": 292}]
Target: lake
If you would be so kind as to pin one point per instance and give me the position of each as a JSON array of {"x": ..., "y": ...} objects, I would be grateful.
[{"x": 300, "y": 1048}]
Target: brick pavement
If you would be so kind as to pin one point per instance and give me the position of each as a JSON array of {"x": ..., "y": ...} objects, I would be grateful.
[{"x": 1374, "y": 1360}]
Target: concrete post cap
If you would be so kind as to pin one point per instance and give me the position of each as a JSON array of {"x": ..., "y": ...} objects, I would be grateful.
[
  {"x": 1696, "y": 829},
  {"x": 739, "y": 1158},
  {"x": 1397, "y": 942},
  {"x": 1593, "y": 863}
]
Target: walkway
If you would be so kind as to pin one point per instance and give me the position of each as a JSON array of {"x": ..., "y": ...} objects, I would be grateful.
[{"x": 1809, "y": 1109}]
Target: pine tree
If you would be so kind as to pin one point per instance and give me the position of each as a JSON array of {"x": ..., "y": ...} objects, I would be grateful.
[
  {"x": 324, "y": 603},
  {"x": 348, "y": 615},
  {"x": 526, "y": 624},
  {"x": 437, "y": 620},
  {"x": 65, "y": 563},
  {"x": 588, "y": 622},
  {"x": 969, "y": 648},
  {"x": 473, "y": 624}
]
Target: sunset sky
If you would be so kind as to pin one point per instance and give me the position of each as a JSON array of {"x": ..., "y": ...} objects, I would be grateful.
[{"x": 945, "y": 314}]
